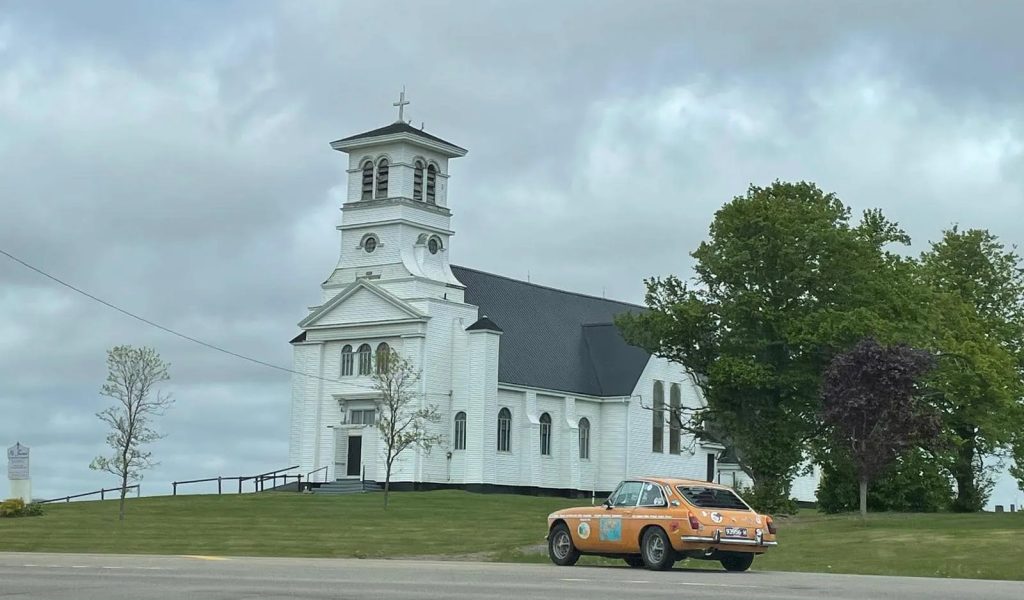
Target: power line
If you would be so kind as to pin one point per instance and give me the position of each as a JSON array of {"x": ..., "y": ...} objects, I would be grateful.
[{"x": 171, "y": 331}]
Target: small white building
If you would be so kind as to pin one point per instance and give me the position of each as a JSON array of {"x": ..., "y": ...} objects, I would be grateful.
[{"x": 537, "y": 389}]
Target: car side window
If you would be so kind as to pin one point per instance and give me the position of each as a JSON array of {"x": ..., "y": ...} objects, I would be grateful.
[
  {"x": 627, "y": 494},
  {"x": 652, "y": 496}
]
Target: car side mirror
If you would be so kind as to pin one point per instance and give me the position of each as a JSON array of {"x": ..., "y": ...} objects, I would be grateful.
[{"x": 607, "y": 504}]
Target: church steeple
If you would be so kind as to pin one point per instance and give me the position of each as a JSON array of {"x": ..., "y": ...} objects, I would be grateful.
[{"x": 396, "y": 225}]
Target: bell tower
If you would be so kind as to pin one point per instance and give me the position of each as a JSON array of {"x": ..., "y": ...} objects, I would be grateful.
[{"x": 395, "y": 222}]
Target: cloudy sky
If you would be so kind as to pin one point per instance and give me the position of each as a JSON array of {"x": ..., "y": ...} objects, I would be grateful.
[{"x": 173, "y": 158}]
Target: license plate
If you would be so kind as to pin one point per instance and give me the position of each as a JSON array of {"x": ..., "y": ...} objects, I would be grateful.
[{"x": 736, "y": 532}]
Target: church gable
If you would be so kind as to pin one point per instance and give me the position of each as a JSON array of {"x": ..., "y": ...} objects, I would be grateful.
[{"x": 361, "y": 302}]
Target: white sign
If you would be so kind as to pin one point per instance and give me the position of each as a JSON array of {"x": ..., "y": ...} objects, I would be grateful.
[{"x": 17, "y": 462}]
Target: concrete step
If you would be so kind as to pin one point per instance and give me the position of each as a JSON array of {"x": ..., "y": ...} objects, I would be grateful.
[{"x": 347, "y": 486}]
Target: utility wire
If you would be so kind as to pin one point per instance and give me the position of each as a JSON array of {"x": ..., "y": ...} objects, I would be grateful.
[{"x": 173, "y": 332}]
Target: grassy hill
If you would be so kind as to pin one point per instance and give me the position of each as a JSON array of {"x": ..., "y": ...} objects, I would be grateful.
[{"x": 494, "y": 527}]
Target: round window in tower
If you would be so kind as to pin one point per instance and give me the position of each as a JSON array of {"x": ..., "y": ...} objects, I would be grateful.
[
  {"x": 433, "y": 245},
  {"x": 370, "y": 244}
]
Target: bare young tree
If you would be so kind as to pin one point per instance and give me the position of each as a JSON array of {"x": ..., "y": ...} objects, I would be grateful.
[
  {"x": 403, "y": 420},
  {"x": 132, "y": 374}
]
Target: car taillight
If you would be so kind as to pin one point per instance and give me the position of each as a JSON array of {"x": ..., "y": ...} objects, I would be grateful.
[
  {"x": 694, "y": 523},
  {"x": 771, "y": 526}
]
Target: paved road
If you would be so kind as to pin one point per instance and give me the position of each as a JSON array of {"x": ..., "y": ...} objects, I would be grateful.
[{"x": 110, "y": 577}]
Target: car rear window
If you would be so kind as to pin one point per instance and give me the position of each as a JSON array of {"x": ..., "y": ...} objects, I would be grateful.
[{"x": 709, "y": 497}]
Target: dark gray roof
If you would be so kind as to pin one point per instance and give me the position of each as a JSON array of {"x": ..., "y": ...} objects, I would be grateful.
[
  {"x": 398, "y": 127},
  {"x": 484, "y": 324},
  {"x": 554, "y": 339}
]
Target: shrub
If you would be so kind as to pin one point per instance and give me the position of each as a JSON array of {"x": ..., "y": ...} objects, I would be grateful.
[
  {"x": 12, "y": 507},
  {"x": 16, "y": 507},
  {"x": 915, "y": 483},
  {"x": 33, "y": 509}
]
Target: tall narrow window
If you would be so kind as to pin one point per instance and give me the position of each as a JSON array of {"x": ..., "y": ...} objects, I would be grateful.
[
  {"x": 383, "y": 357},
  {"x": 431, "y": 184},
  {"x": 658, "y": 414},
  {"x": 417, "y": 181},
  {"x": 365, "y": 355},
  {"x": 675, "y": 419},
  {"x": 504, "y": 430},
  {"x": 382, "y": 178},
  {"x": 367, "y": 180},
  {"x": 346, "y": 361},
  {"x": 584, "y": 438},
  {"x": 545, "y": 434},
  {"x": 460, "y": 431}
]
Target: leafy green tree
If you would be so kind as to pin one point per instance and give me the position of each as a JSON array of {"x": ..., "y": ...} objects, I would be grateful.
[
  {"x": 784, "y": 282},
  {"x": 872, "y": 405},
  {"x": 977, "y": 326}
]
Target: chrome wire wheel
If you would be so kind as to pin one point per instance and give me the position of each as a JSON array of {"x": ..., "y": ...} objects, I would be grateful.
[
  {"x": 562, "y": 544},
  {"x": 655, "y": 549},
  {"x": 561, "y": 549},
  {"x": 658, "y": 555}
]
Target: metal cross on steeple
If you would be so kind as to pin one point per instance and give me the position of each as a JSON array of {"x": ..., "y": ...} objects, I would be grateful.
[{"x": 401, "y": 105}]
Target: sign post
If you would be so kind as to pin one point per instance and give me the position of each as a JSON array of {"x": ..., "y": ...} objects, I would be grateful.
[{"x": 18, "y": 472}]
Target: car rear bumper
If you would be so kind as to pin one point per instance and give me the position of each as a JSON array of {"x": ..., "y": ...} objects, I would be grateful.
[{"x": 698, "y": 539}]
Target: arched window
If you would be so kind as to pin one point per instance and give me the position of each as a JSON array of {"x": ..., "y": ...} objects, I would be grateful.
[
  {"x": 417, "y": 181},
  {"x": 504, "y": 430},
  {"x": 585, "y": 438},
  {"x": 346, "y": 360},
  {"x": 367, "y": 180},
  {"x": 675, "y": 422},
  {"x": 365, "y": 359},
  {"x": 658, "y": 414},
  {"x": 545, "y": 434},
  {"x": 382, "y": 178},
  {"x": 383, "y": 357},
  {"x": 431, "y": 184},
  {"x": 460, "y": 431}
]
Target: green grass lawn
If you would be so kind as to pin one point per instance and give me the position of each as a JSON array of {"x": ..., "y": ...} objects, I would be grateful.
[{"x": 495, "y": 527}]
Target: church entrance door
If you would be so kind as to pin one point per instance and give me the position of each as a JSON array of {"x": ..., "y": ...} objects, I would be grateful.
[{"x": 355, "y": 455}]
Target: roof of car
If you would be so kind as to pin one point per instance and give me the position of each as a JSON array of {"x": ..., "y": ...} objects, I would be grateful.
[{"x": 680, "y": 481}]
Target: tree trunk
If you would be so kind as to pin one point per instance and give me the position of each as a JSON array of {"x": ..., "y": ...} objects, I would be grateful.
[
  {"x": 387, "y": 484},
  {"x": 963, "y": 472},
  {"x": 124, "y": 490},
  {"x": 863, "y": 498}
]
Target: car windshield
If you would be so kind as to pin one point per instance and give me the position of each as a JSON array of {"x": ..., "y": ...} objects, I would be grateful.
[{"x": 709, "y": 497}]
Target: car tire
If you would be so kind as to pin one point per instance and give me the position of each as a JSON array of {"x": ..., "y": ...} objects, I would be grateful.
[
  {"x": 656, "y": 550},
  {"x": 737, "y": 562},
  {"x": 561, "y": 550},
  {"x": 634, "y": 561}
]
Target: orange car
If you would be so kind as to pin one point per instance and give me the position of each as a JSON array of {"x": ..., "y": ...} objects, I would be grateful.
[{"x": 655, "y": 522}]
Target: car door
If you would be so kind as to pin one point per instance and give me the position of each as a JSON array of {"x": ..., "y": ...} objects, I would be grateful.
[
  {"x": 611, "y": 523},
  {"x": 652, "y": 508}
]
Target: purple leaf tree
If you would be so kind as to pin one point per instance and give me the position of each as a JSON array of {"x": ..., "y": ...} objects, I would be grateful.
[{"x": 872, "y": 403}]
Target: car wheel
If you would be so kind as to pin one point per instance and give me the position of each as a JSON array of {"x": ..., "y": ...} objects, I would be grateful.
[
  {"x": 561, "y": 550},
  {"x": 634, "y": 561},
  {"x": 656, "y": 550},
  {"x": 737, "y": 562}
]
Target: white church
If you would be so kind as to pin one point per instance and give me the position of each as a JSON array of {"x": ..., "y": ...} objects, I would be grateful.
[{"x": 537, "y": 390}]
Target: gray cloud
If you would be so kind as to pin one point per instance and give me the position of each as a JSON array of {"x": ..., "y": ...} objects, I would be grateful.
[{"x": 174, "y": 160}]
